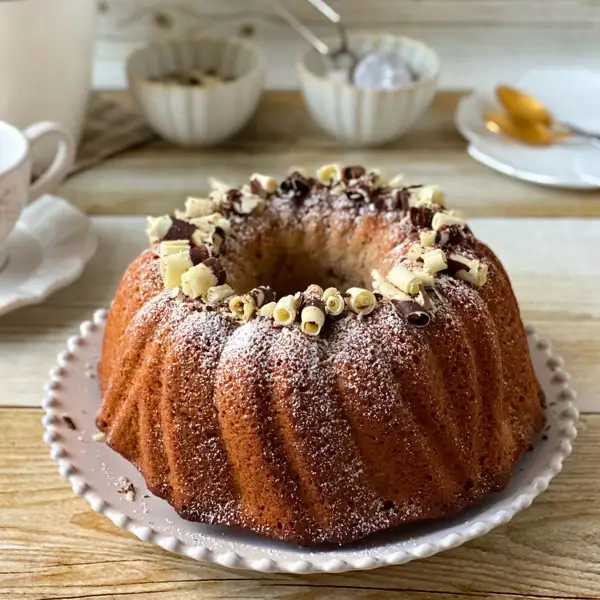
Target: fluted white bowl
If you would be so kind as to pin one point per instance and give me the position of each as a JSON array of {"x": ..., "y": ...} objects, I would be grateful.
[
  {"x": 194, "y": 115},
  {"x": 369, "y": 117}
]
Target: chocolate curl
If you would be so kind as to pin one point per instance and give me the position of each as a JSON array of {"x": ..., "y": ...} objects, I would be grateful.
[
  {"x": 413, "y": 312},
  {"x": 217, "y": 268},
  {"x": 297, "y": 186},
  {"x": 199, "y": 254},
  {"x": 180, "y": 230},
  {"x": 262, "y": 295},
  {"x": 420, "y": 217},
  {"x": 353, "y": 172},
  {"x": 314, "y": 301},
  {"x": 426, "y": 300}
]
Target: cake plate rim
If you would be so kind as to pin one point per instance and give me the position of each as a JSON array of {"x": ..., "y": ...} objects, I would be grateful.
[{"x": 83, "y": 463}]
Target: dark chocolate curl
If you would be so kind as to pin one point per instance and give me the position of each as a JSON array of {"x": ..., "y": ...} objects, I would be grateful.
[
  {"x": 420, "y": 216},
  {"x": 427, "y": 304},
  {"x": 297, "y": 187},
  {"x": 199, "y": 254},
  {"x": 180, "y": 230},
  {"x": 353, "y": 172},
  {"x": 262, "y": 295},
  {"x": 214, "y": 264},
  {"x": 413, "y": 312},
  {"x": 313, "y": 301},
  {"x": 257, "y": 189}
]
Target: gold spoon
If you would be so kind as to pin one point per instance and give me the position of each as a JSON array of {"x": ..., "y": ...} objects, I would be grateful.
[
  {"x": 532, "y": 133},
  {"x": 524, "y": 107}
]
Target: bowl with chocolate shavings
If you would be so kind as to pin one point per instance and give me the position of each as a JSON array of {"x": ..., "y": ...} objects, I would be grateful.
[{"x": 197, "y": 92}]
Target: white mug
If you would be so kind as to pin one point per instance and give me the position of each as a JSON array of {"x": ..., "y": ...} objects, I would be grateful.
[
  {"x": 46, "y": 50},
  {"x": 16, "y": 189}
]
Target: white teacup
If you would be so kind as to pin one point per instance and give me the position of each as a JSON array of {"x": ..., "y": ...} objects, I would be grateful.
[{"x": 16, "y": 189}]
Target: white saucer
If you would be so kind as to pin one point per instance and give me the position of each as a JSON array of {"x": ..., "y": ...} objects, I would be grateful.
[
  {"x": 47, "y": 250},
  {"x": 573, "y": 164},
  {"x": 93, "y": 470}
]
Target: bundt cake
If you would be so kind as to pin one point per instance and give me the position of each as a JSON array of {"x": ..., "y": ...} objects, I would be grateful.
[{"x": 318, "y": 359}]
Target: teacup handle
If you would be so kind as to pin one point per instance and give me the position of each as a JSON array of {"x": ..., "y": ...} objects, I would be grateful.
[{"x": 63, "y": 159}]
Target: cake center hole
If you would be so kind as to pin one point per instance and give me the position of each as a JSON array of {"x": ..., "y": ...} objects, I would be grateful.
[{"x": 290, "y": 265}]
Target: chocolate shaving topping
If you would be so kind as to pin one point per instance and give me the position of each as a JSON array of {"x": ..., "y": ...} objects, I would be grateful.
[
  {"x": 233, "y": 197},
  {"x": 413, "y": 312},
  {"x": 427, "y": 304},
  {"x": 180, "y": 230},
  {"x": 455, "y": 265},
  {"x": 69, "y": 422},
  {"x": 309, "y": 300},
  {"x": 262, "y": 295},
  {"x": 296, "y": 186},
  {"x": 420, "y": 216},
  {"x": 199, "y": 254},
  {"x": 257, "y": 189},
  {"x": 353, "y": 172},
  {"x": 414, "y": 187},
  {"x": 214, "y": 264},
  {"x": 454, "y": 233},
  {"x": 357, "y": 194}
]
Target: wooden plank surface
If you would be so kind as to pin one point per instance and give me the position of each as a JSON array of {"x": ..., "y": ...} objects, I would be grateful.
[
  {"x": 52, "y": 546},
  {"x": 552, "y": 263},
  {"x": 157, "y": 177}
]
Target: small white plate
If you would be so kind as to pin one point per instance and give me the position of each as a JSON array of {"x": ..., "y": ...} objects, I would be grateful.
[
  {"x": 573, "y": 164},
  {"x": 93, "y": 470},
  {"x": 47, "y": 250}
]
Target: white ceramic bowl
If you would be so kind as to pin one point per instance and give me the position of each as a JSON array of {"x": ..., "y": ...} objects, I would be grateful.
[
  {"x": 365, "y": 117},
  {"x": 194, "y": 115}
]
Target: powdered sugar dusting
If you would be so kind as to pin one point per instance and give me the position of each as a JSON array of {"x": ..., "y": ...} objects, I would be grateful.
[{"x": 328, "y": 438}]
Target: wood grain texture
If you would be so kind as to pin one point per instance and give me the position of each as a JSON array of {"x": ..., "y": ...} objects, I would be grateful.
[
  {"x": 52, "y": 546},
  {"x": 552, "y": 264},
  {"x": 157, "y": 177}
]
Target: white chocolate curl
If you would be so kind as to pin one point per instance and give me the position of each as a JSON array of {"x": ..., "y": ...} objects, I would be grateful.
[
  {"x": 415, "y": 252},
  {"x": 219, "y": 186},
  {"x": 285, "y": 311},
  {"x": 329, "y": 174},
  {"x": 208, "y": 223},
  {"x": 378, "y": 177},
  {"x": 397, "y": 181},
  {"x": 158, "y": 228},
  {"x": 334, "y": 302},
  {"x": 249, "y": 204},
  {"x": 361, "y": 301},
  {"x": 427, "y": 195},
  {"x": 218, "y": 293},
  {"x": 440, "y": 219},
  {"x": 386, "y": 289},
  {"x": 313, "y": 319},
  {"x": 196, "y": 281},
  {"x": 267, "y": 310},
  {"x": 405, "y": 280},
  {"x": 314, "y": 290},
  {"x": 427, "y": 238},
  {"x": 435, "y": 261},
  {"x": 267, "y": 183},
  {"x": 242, "y": 307},
  {"x": 174, "y": 262},
  {"x": 477, "y": 271},
  {"x": 199, "y": 207}
]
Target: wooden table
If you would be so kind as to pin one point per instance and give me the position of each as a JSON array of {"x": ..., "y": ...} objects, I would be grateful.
[{"x": 53, "y": 546}]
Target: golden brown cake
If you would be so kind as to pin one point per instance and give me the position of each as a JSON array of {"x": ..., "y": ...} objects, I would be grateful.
[{"x": 318, "y": 359}]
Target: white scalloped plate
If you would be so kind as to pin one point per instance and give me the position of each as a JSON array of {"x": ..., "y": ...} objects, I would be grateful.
[{"x": 93, "y": 470}]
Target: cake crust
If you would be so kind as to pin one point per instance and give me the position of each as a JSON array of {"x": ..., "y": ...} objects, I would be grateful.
[{"x": 373, "y": 423}]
